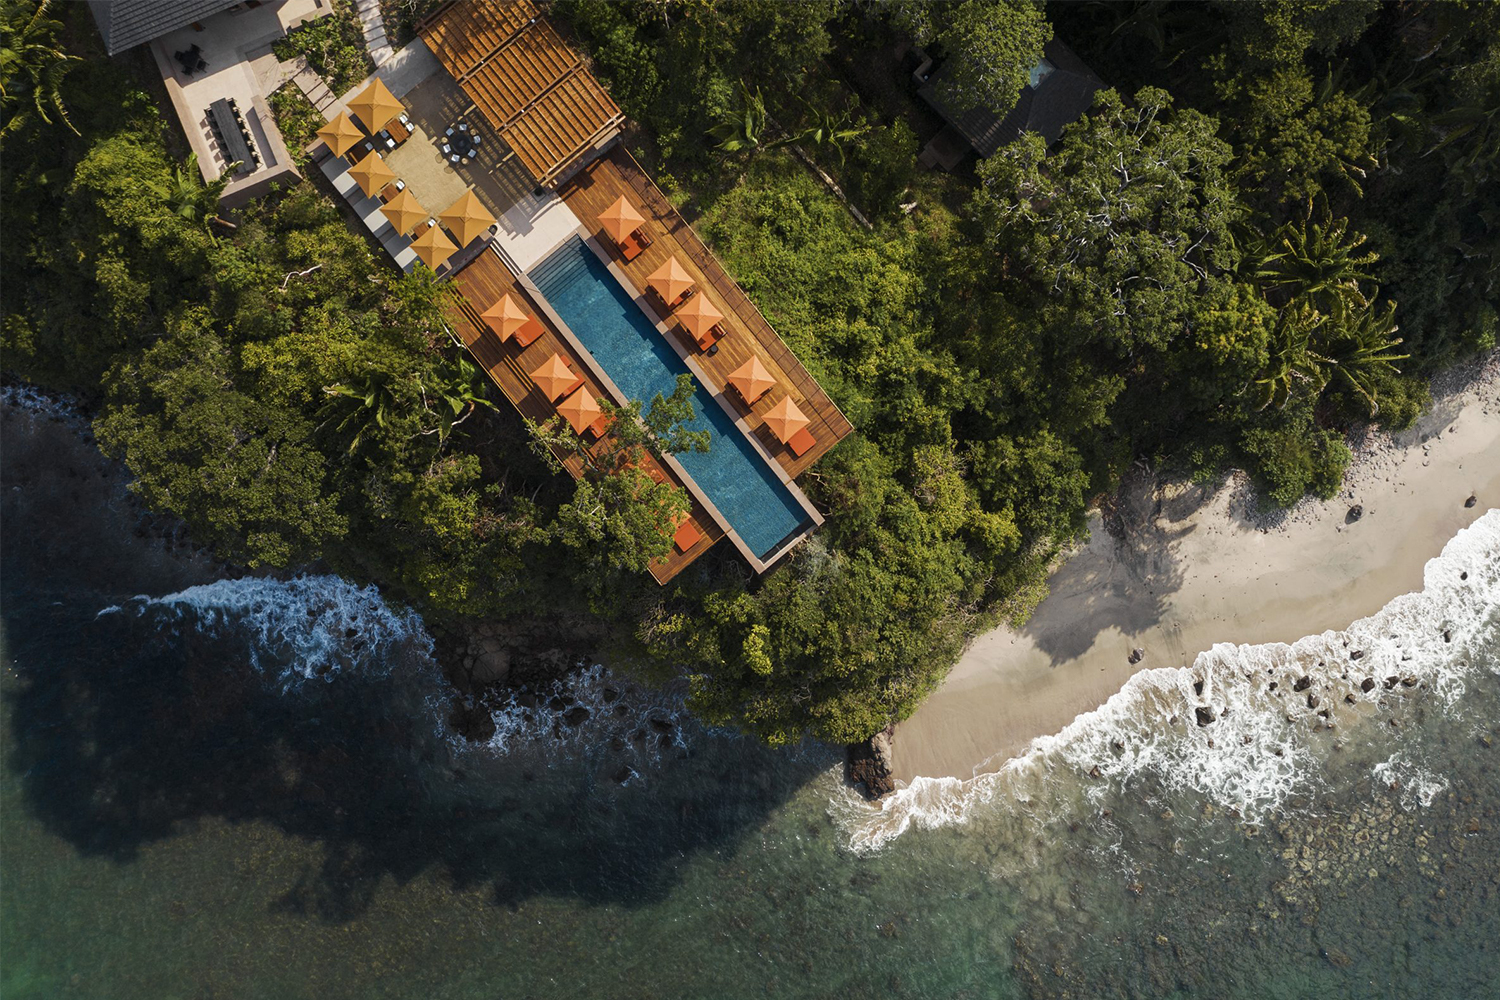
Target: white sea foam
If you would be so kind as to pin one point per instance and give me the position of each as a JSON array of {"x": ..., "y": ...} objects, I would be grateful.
[
  {"x": 308, "y": 627},
  {"x": 1418, "y": 785},
  {"x": 1263, "y": 746}
]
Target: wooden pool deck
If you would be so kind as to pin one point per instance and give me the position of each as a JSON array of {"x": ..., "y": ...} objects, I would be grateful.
[
  {"x": 614, "y": 173},
  {"x": 480, "y": 283}
]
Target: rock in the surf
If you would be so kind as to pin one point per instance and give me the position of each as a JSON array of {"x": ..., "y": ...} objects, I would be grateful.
[
  {"x": 1136, "y": 655},
  {"x": 1471, "y": 501},
  {"x": 869, "y": 764}
]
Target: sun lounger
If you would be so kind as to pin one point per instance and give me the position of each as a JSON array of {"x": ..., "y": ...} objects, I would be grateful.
[
  {"x": 633, "y": 245},
  {"x": 528, "y": 332},
  {"x": 686, "y": 536},
  {"x": 801, "y": 442}
]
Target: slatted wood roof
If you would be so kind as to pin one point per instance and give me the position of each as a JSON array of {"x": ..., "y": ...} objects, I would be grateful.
[{"x": 524, "y": 79}]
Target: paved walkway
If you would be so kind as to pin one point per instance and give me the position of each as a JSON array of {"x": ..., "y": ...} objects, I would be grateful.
[
  {"x": 312, "y": 85},
  {"x": 375, "y": 40}
]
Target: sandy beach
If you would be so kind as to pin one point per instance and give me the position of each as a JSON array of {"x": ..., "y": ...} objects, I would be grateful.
[{"x": 1178, "y": 568}]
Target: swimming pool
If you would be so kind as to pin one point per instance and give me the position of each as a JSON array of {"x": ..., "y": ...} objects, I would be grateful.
[{"x": 628, "y": 347}]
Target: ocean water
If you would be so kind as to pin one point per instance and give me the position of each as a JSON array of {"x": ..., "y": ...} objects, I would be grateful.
[{"x": 248, "y": 788}]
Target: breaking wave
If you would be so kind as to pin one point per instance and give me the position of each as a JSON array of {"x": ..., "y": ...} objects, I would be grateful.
[
  {"x": 1246, "y": 726},
  {"x": 301, "y": 629}
]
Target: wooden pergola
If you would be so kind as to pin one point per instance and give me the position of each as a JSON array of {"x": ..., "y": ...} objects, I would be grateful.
[{"x": 525, "y": 80}]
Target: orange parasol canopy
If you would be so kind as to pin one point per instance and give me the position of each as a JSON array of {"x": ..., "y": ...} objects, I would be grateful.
[
  {"x": 404, "y": 210},
  {"x": 375, "y": 106},
  {"x": 466, "y": 218},
  {"x": 340, "y": 134},
  {"x": 581, "y": 409},
  {"x": 751, "y": 379},
  {"x": 621, "y": 219},
  {"x": 433, "y": 247},
  {"x": 554, "y": 377},
  {"x": 372, "y": 173},
  {"x": 785, "y": 419},
  {"x": 670, "y": 280},
  {"x": 699, "y": 315},
  {"x": 505, "y": 317}
]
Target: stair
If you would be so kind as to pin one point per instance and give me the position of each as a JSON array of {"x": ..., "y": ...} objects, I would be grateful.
[{"x": 375, "y": 39}]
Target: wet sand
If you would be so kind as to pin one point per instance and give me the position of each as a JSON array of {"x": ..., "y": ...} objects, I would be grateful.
[{"x": 1180, "y": 568}]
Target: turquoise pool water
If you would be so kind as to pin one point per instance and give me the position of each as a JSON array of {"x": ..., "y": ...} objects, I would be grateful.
[{"x": 627, "y": 345}]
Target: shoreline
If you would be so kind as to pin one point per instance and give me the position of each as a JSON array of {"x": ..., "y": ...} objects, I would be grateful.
[{"x": 1180, "y": 568}]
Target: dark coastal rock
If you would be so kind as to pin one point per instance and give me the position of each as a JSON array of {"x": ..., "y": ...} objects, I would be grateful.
[
  {"x": 869, "y": 764},
  {"x": 1197, "y": 687},
  {"x": 1312, "y": 700},
  {"x": 1355, "y": 513},
  {"x": 1447, "y": 635},
  {"x": 1303, "y": 683},
  {"x": 1391, "y": 682},
  {"x": 1471, "y": 501},
  {"x": 472, "y": 722},
  {"x": 660, "y": 725},
  {"x": 576, "y": 716},
  {"x": 1136, "y": 655},
  {"x": 1205, "y": 714},
  {"x": 1357, "y": 654},
  {"x": 1367, "y": 685}
]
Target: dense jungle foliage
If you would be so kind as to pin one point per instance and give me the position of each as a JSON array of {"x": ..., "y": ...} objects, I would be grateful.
[{"x": 1276, "y": 224}]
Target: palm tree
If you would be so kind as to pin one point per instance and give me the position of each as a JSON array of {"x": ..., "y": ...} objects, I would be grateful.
[
  {"x": 368, "y": 403},
  {"x": 32, "y": 66},
  {"x": 741, "y": 127},
  {"x": 830, "y": 130},
  {"x": 1360, "y": 345},
  {"x": 1316, "y": 261},
  {"x": 452, "y": 397},
  {"x": 1294, "y": 359},
  {"x": 375, "y": 399},
  {"x": 187, "y": 196}
]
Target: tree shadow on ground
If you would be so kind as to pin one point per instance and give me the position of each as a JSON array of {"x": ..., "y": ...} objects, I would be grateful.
[
  {"x": 125, "y": 733},
  {"x": 1124, "y": 577}
]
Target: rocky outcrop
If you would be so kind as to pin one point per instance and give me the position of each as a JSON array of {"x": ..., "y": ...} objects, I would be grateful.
[{"x": 869, "y": 764}]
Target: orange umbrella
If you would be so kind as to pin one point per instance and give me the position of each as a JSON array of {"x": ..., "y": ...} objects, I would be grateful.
[
  {"x": 670, "y": 280},
  {"x": 466, "y": 218},
  {"x": 581, "y": 409},
  {"x": 751, "y": 379},
  {"x": 372, "y": 173},
  {"x": 621, "y": 219},
  {"x": 340, "y": 134},
  {"x": 404, "y": 211},
  {"x": 699, "y": 315},
  {"x": 785, "y": 419},
  {"x": 505, "y": 317},
  {"x": 554, "y": 377},
  {"x": 433, "y": 247},
  {"x": 375, "y": 106}
]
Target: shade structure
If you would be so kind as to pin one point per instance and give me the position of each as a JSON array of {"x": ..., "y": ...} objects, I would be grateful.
[
  {"x": 751, "y": 379},
  {"x": 404, "y": 211},
  {"x": 580, "y": 409},
  {"x": 466, "y": 218},
  {"x": 785, "y": 419},
  {"x": 433, "y": 246},
  {"x": 372, "y": 173},
  {"x": 554, "y": 377},
  {"x": 505, "y": 317},
  {"x": 375, "y": 106},
  {"x": 699, "y": 315},
  {"x": 620, "y": 219},
  {"x": 341, "y": 134},
  {"x": 670, "y": 280}
]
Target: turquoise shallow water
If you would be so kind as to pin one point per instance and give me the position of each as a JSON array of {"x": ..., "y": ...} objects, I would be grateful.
[{"x": 246, "y": 790}]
